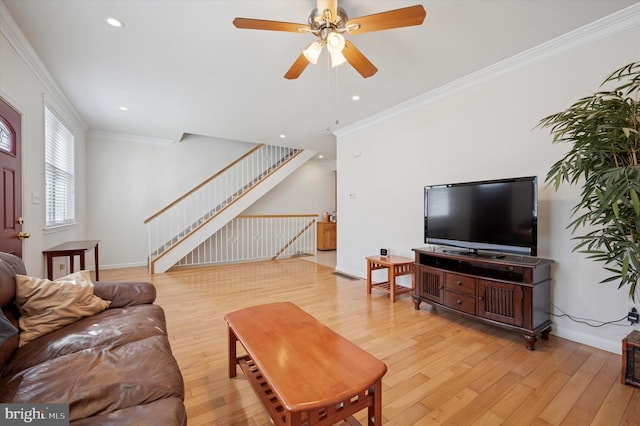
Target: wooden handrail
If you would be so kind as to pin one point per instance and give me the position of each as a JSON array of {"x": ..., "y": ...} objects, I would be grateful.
[{"x": 203, "y": 183}]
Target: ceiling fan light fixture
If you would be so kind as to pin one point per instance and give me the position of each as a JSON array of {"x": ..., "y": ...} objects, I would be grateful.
[
  {"x": 335, "y": 42},
  {"x": 337, "y": 58},
  {"x": 312, "y": 52}
]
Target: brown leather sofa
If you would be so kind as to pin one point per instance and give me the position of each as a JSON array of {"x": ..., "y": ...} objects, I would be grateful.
[{"x": 112, "y": 368}]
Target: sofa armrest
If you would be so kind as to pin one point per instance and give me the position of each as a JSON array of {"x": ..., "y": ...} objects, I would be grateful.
[{"x": 122, "y": 294}]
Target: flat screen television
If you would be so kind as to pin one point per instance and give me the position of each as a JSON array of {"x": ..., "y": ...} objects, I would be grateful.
[{"x": 497, "y": 216}]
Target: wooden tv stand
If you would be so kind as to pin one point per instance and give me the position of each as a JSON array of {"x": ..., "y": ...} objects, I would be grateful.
[{"x": 512, "y": 292}]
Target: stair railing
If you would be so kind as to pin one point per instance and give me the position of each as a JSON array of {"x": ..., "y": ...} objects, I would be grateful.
[
  {"x": 183, "y": 216},
  {"x": 250, "y": 238}
]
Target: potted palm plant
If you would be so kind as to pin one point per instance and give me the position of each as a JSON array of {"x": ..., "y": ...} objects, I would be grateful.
[{"x": 602, "y": 131}]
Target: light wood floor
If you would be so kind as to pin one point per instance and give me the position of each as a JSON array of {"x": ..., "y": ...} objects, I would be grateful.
[{"x": 441, "y": 369}]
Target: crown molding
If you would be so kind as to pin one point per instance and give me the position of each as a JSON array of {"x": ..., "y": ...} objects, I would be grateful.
[
  {"x": 104, "y": 136},
  {"x": 19, "y": 42},
  {"x": 613, "y": 24}
]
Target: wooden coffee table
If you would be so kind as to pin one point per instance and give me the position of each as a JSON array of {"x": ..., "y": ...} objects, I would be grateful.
[{"x": 302, "y": 371}]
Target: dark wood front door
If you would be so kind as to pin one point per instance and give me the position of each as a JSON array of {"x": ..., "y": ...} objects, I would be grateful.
[{"x": 10, "y": 180}]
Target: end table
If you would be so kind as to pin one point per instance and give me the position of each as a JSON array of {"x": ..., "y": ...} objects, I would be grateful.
[
  {"x": 397, "y": 266},
  {"x": 71, "y": 249}
]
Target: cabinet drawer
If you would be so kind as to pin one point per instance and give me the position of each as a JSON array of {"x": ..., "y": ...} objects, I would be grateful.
[
  {"x": 461, "y": 302},
  {"x": 461, "y": 284}
]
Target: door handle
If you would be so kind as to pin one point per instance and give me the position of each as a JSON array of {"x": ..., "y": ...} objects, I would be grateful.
[{"x": 22, "y": 235}]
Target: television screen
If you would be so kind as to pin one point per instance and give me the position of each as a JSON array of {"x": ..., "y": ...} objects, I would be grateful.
[{"x": 495, "y": 215}]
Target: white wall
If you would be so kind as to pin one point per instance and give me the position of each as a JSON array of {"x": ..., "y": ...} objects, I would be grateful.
[
  {"x": 130, "y": 180},
  {"x": 309, "y": 190},
  {"x": 26, "y": 85},
  {"x": 484, "y": 127}
]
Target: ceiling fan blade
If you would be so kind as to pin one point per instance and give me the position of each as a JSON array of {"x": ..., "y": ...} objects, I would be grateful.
[
  {"x": 296, "y": 69},
  {"x": 332, "y": 5},
  {"x": 261, "y": 24},
  {"x": 358, "y": 60},
  {"x": 405, "y": 17}
]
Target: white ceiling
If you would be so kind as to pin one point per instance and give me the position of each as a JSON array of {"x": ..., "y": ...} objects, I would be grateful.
[{"x": 180, "y": 66}]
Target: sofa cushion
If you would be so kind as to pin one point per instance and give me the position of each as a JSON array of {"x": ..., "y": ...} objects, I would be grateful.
[
  {"x": 8, "y": 336},
  {"x": 48, "y": 305},
  {"x": 111, "y": 327},
  {"x": 100, "y": 380},
  {"x": 123, "y": 294}
]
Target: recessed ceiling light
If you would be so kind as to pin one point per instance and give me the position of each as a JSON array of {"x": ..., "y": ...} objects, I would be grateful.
[
  {"x": 124, "y": 108},
  {"x": 116, "y": 23},
  {"x": 355, "y": 98},
  {"x": 320, "y": 156},
  {"x": 283, "y": 136}
]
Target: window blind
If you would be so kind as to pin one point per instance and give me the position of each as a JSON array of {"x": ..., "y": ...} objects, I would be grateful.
[{"x": 59, "y": 172}]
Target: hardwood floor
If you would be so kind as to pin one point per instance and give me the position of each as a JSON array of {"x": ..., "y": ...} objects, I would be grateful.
[{"x": 441, "y": 369}]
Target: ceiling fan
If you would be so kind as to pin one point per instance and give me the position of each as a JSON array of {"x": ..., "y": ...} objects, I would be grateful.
[{"x": 328, "y": 22}]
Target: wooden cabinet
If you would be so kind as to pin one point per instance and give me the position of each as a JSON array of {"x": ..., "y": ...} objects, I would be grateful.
[
  {"x": 509, "y": 291},
  {"x": 326, "y": 237}
]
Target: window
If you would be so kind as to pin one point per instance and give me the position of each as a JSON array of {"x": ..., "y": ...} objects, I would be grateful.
[
  {"x": 59, "y": 171},
  {"x": 6, "y": 138}
]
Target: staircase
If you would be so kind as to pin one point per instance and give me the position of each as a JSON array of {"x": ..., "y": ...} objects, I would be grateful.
[{"x": 179, "y": 228}]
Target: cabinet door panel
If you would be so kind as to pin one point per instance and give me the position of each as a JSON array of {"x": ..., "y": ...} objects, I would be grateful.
[
  {"x": 326, "y": 236},
  {"x": 500, "y": 302},
  {"x": 430, "y": 283}
]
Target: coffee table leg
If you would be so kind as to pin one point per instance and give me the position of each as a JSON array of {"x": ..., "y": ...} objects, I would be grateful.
[
  {"x": 293, "y": 419},
  {"x": 233, "y": 359},
  {"x": 375, "y": 411}
]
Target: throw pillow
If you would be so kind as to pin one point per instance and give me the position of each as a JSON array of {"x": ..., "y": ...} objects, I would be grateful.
[{"x": 47, "y": 305}]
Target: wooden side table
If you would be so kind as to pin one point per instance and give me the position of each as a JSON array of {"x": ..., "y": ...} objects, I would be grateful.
[
  {"x": 71, "y": 249},
  {"x": 397, "y": 266}
]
